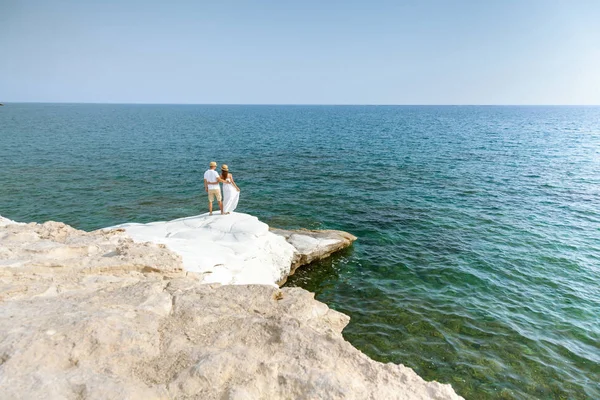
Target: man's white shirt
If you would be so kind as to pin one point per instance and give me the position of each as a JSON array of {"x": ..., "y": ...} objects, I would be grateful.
[{"x": 212, "y": 176}]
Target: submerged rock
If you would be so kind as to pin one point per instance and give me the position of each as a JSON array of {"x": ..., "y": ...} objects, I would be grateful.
[{"x": 96, "y": 315}]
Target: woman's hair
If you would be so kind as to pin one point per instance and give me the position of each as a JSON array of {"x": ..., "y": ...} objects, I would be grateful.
[{"x": 224, "y": 174}]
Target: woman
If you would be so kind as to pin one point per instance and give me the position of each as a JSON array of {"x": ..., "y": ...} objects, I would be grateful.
[{"x": 231, "y": 192}]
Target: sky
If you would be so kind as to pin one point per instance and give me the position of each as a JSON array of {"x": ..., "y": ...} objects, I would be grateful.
[{"x": 301, "y": 52}]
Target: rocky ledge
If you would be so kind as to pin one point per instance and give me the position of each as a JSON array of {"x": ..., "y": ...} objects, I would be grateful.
[
  {"x": 95, "y": 315},
  {"x": 310, "y": 246},
  {"x": 238, "y": 248}
]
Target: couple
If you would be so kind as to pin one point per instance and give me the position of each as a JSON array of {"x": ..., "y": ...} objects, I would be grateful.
[{"x": 231, "y": 192}]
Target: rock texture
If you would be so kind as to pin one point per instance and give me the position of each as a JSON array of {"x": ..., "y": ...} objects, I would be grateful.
[
  {"x": 238, "y": 248},
  {"x": 97, "y": 316},
  {"x": 310, "y": 246},
  {"x": 49, "y": 258}
]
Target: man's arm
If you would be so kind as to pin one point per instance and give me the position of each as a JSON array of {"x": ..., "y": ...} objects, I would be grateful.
[{"x": 206, "y": 183}]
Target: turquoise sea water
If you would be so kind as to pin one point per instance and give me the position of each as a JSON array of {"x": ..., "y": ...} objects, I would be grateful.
[{"x": 478, "y": 259}]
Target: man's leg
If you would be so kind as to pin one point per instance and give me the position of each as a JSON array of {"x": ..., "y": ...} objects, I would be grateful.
[
  {"x": 219, "y": 200},
  {"x": 209, "y": 207},
  {"x": 211, "y": 198}
]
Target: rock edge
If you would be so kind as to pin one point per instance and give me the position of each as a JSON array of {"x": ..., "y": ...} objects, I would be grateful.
[{"x": 94, "y": 315}]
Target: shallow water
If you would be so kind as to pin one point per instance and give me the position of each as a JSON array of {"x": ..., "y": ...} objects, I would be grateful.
[{"x": 478, "y": 259}]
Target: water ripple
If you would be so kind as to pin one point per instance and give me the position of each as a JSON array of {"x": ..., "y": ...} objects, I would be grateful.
[{"x": 478, "y": 260}]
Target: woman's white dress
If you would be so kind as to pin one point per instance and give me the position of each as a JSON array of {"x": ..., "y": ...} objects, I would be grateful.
[{"x": 230, "y": 197}]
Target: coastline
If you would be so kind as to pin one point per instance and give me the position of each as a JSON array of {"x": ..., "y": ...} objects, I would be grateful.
[
  {"x": 97, "y": 312},
  {"x": 237, "y": 248}
]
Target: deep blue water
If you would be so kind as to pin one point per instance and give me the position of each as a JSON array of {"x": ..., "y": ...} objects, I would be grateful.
[{"x": 478, "y": 259}]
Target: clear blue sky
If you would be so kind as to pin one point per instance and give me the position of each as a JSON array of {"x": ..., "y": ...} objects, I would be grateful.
[{"x": 301, "y": 52}]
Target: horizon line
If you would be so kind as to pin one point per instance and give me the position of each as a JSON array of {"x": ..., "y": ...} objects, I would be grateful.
[{"x": 305, "y": 104}]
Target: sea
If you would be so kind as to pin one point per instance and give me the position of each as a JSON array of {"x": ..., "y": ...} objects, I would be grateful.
[{"x": 478, "y": 254}]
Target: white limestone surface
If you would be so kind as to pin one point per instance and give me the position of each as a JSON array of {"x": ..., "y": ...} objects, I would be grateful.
[
  {"x": 6, "y": 221},
  {"x": 229, "y": 249}
]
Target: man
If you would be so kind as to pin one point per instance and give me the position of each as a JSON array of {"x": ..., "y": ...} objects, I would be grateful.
[{"x": 211, "y": 185}]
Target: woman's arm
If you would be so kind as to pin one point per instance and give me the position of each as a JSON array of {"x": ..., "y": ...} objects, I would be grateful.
[{"x": 233, "y": 183}]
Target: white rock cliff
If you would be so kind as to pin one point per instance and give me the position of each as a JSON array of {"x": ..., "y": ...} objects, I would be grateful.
[
  {"x": 238, "y": 248},
  {"x": 98, "y": 316}
]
